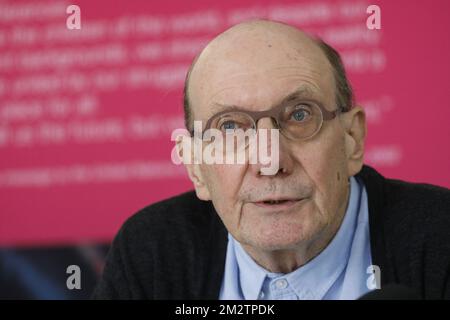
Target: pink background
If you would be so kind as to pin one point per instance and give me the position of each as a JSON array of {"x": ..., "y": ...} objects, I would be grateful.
[{"x": 86, "y": 115}]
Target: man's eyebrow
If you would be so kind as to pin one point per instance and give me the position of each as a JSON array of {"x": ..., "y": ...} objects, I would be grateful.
[
  {"x": 219, "y": 107},
  {"x": 304, "y": 91}
]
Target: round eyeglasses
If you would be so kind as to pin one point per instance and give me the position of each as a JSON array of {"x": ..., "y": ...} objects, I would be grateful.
[{"x": 296, "y": 120}]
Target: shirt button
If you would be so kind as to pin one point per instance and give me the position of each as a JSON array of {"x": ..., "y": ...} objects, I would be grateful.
[
  {"x": 261, "y": 295},
  {"x": 281, "y": 284}
]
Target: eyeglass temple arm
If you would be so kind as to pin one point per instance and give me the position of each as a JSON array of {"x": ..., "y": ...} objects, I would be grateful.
[{"x": 328, "y": 115}]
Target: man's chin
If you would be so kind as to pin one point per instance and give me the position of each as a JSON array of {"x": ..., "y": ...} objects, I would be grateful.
[{"x": 273, "y": 243}]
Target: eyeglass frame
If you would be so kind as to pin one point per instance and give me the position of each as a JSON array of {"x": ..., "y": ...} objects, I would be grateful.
[{"x": 274, "y": 114}]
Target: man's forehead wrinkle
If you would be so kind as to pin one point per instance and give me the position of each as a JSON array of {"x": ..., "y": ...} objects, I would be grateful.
[
  {"x": 307, "y": 86},
  {"x": 303, "y": 91},
  {"x": 221, "y": 90},
  {"x": 215, "y": 71},
  {"x": 304, "y": 73}
]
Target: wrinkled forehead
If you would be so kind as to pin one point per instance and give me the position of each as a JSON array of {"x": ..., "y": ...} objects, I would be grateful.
[{"x": 255, "y": 70}]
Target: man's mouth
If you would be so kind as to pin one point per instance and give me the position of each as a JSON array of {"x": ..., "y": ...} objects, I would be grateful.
[{"x": 278, "y": 203}]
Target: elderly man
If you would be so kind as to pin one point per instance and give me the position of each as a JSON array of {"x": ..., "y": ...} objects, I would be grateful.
[{"x": 323, "y": 226}]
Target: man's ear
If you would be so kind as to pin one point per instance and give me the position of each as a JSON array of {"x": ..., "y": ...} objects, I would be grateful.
[
  {"x": 195, "y": 174},
  {"x": 354, "y": 123},
  {"x": 193, "y": 169}
]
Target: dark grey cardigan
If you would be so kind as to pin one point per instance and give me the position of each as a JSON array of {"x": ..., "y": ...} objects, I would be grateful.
[{"x": 175, "y": 249}]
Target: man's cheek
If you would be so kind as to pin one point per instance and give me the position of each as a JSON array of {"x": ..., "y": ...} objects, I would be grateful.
[
  {"x": 228, "y": 176},
  {"x": 223, "y": 189}
]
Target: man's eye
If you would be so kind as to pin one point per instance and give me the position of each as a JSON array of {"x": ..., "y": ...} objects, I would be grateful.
[
  {"x": 300, "y": 115},
  {"x": 229, "y": 125}
]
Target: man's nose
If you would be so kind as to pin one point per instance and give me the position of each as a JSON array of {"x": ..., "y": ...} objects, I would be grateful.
[
  {"x": 267, "y": 123},
  {"x": 285, "y": 161}
]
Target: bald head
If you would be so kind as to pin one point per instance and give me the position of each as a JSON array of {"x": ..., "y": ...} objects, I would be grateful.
[{"x": 250, "y": 51}]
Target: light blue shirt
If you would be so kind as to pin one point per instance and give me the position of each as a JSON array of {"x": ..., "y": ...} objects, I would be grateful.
[{"x": 340, "y": 271}]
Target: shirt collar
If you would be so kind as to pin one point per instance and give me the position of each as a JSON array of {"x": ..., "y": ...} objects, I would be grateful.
[{"x": 316, "y": 277}]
